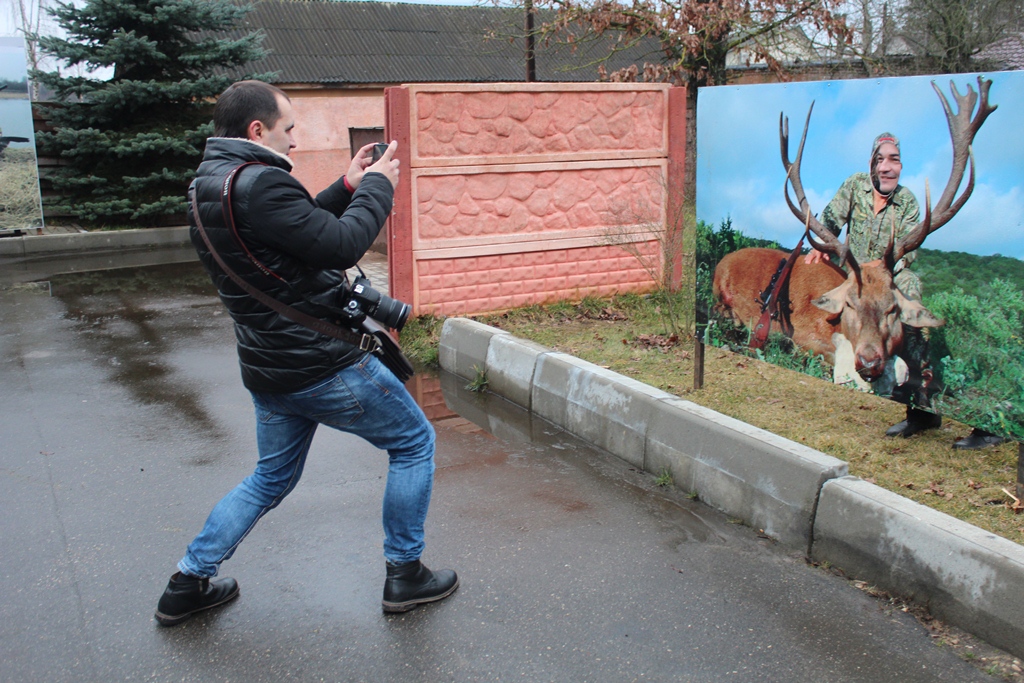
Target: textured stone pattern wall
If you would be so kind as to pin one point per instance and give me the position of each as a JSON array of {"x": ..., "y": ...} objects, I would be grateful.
[
  {"x": 520, "y": 193},
  {"x": 521, "y": 202},
  {"x": 497, "y": 282},
  {"x": 600, "y": 124}
]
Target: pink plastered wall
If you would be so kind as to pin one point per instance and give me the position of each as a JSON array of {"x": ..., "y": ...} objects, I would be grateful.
[
  {"x": 516, "y": 194},
  {"x": 322, "y": 119}
]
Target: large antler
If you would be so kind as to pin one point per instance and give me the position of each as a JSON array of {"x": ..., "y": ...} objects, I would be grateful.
[
  {"x": 827, "y": 241},
  {"x": 962, "y": 129}
]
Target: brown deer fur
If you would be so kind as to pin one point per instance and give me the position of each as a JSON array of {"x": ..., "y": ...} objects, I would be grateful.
[{"x": 820, "y": 300}]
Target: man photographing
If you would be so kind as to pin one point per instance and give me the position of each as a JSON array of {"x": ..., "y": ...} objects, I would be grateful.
[{"x": 295, "y": 249}]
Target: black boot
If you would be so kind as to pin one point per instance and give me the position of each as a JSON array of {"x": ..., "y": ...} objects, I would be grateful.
[
  {"x": 917, "y": 421},
  {"x": 412, "y": 584},
  {"x": 978, "y": 438},
  {"x": 185, "y": 595}
]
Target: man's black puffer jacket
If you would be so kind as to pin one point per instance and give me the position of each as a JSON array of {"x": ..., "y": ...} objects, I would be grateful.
[{"x": 307, "y": 242}]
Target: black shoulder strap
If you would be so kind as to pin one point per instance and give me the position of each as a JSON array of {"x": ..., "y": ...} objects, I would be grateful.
[{"x": 365, "y": 341}]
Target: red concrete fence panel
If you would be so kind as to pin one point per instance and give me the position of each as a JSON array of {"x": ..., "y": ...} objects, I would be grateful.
[{"x": 517, "y": 194}]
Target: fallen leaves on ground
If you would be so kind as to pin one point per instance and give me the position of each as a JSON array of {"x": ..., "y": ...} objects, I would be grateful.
[
  {"x": 655, "y": 341},
  {"x": 935, "y": 489},
  {"x": 604, "y": 314},
  {"x": 1017, "y": 506}
]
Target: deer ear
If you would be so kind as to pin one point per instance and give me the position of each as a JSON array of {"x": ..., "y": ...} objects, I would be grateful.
[
  {"x": 833, "y": 301},
  {"x": 913, "y": 312}
]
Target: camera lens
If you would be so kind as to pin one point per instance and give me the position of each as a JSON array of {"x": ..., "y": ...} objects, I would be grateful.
[
  {"x": 391, "y": 312},
  {"x": 380, "y": 307}
]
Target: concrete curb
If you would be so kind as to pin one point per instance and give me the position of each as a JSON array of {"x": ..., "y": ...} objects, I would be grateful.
[
  {"x": 470, "y": 352},
  {"x": 800, "y": 496},
  {"x": 510, "y": 362},
  {"x": 597, "y": 405},
  {"x": 964, "y": 575},
  {"x": 113, "y": 240},
  {"x": 769, "y": 482}
]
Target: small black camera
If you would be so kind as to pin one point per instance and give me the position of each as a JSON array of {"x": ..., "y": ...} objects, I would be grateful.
[
  {"x": 378, "y": 150},
  {"x": 364, "y": 300}
]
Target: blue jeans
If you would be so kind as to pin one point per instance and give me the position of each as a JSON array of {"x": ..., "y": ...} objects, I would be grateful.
[{"x": 364, "y": 399}]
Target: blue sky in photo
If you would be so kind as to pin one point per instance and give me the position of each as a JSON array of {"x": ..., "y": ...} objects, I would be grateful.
[
  {"x": 12, "y": 59},
  {"x": 15, "y": 114},
  {"x": 740, "y": 173}
]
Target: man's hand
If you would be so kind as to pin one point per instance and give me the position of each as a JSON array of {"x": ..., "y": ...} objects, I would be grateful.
[
  {"x": 362, "y": 163},
  {"x": 360, "y": 160},
  {"x": 815, "y": 256},
  {"x": 386, "y": 164}
]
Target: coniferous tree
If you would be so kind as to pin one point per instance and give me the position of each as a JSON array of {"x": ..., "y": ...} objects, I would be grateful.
[{"x": 129, "y": 144}]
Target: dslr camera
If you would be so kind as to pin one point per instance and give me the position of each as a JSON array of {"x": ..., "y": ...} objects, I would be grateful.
[{"x": 363, "y": 300}]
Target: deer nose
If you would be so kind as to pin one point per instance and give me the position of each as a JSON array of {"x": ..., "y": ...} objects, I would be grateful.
[{"x": 870, "y": 368}]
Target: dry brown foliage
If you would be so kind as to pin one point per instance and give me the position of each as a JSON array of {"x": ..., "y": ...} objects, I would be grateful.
[{"x": 19, "y": 190}]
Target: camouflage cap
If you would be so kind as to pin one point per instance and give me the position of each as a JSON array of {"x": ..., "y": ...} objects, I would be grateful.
[{"x": 880, "y": 140}]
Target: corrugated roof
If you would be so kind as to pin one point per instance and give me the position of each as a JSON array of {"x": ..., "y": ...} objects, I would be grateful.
[
  {"x": 1007, "y": 54},
  {"x": 331, "y": 42}
]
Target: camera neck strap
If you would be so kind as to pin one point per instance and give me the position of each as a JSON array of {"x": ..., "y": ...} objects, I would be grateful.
[
  {"x": 364, "y": 341},
  {"x": 229, "y": 217}
]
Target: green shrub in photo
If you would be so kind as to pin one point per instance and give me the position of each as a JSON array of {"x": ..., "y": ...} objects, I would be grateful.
[{"x": 981, "y": 352}]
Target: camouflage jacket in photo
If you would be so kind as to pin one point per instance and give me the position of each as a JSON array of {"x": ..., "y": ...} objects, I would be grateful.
[{"x": 853, "y": 206}]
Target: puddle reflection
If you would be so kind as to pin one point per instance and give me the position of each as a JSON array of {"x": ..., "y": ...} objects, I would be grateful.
[
  {"x": 517, "y": 438},
  {"x": 449, "y": 404}
]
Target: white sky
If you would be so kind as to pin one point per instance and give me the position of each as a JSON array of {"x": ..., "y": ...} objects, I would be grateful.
[{"x": 9, "y": 26}]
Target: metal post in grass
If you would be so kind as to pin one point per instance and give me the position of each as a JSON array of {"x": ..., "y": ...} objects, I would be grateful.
[
  {"x": 1020, "y": 470},
  {"x": 698, "y": 365}
]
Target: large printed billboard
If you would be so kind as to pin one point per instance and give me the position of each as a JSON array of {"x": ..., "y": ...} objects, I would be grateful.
[
  {"x": 917, "y": 293},
  {"x": 20, "y": 206}
]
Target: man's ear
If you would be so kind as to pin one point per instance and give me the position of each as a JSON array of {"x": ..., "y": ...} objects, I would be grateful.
[{"x": 255, "y": 130}]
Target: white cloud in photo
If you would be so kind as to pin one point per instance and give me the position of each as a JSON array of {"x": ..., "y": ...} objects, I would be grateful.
[{"x": 989, "y": 223}]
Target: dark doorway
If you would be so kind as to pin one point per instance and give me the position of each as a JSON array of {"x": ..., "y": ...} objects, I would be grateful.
[{"x": 357, "y": 138}]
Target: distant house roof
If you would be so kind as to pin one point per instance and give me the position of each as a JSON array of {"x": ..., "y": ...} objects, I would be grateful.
[
  {"x": 350, "y": 43},
  {"x": 1006, "y": 54},
  {"x": 789, "y": 46}
]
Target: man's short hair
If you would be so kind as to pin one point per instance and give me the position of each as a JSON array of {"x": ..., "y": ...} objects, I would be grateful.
[{"x": 241, "y": 104}]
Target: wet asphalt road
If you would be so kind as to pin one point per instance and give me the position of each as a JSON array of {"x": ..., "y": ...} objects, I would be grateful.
[{"x": 125, "y": 420}]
